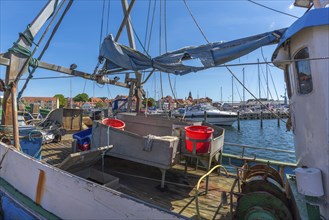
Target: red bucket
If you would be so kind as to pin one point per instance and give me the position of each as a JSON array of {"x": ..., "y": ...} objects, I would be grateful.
[
  {"x": 115, "y": 123},
  {"x": 202, "y": 133}
]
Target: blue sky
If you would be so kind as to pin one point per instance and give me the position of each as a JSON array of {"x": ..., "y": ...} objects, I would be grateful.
[{"x": 77, "y": 41}]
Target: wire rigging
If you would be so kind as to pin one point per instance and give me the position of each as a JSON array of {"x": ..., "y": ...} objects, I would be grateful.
[
  {"x": 151, "y": 28},
  {"x": 35, "y": 61},
  {"x": 102, "y": 24},
  {"x": 237, "y": 78},
  {"x": 196, "y": 23},
  {"x": 160, "y": 44},
  {"x": 237, "y": 89},
  {"x": 276, "y": 92},
  {"x": 262, "y": 85},
  {"x": 108, "y": 17},
  {"x": 272, "y": 9},
  {"x": 147, "y": 22}
]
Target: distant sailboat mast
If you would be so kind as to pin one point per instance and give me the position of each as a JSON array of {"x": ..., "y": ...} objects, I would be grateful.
[
  {"x": 221, "y": 94},
  {"x": 243, "y": 89},
  {"x": 232, "y": 92},
  {"x": 267, "y": 91},
  {"x": 259, "y": 91}
]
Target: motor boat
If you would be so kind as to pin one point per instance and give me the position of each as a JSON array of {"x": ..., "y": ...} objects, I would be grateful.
[{"x": 212, "y": 114}]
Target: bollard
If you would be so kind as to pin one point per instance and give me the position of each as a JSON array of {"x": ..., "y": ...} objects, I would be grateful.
[
  {"x": 261, "y": 119},
  {"x": 238, "y": 120},
  {"x": 205, "y": 116},
  {"x": 279, "y": 119}
]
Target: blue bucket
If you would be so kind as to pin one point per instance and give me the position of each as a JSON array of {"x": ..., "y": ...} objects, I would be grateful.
[{"x": 31, "y": 142}]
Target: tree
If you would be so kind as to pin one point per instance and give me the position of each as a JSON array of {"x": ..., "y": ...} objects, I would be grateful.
[
  {"x": 99, "y": 105},
  {"x": 150, "y": 102},
  {"x": 61, "y": 99},
  {"x": 82, "y": 97}
]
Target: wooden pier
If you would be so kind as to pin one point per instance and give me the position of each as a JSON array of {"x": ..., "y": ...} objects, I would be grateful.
[{"x": 262, "y": 115}]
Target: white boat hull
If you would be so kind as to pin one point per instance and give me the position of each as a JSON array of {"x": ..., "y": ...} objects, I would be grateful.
[
  {"x": 214, "y": 119},
  {"x": 68, "y": 196}
]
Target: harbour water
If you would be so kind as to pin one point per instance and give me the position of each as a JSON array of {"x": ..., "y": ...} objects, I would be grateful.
[{"x": 270, "y": 136}]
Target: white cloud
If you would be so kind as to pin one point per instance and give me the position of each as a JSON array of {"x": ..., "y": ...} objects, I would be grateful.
[{"x": 272, "y": 25}]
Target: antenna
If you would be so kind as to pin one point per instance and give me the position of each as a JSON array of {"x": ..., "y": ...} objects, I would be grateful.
[{"x": 71, "y": 93}]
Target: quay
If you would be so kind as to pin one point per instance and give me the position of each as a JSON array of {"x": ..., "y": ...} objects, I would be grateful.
[{"x": 262, "y": 115}]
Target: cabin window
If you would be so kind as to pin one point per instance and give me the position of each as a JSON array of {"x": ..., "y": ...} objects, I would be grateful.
[
  {"x": 287, "y": 79},
  {"x": 304, "y": 75}
]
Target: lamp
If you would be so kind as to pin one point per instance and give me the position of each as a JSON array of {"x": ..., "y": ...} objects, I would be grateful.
[
  {"x": 73, "y": 66},
  {"x": 303, "y": 3}
]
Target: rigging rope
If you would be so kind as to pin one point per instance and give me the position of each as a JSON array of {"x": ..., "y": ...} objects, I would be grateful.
[
  {"x": 196, "y": 23},
  {"x": 29, "y": 38},
  {"x": 272, "y": 9},
  {"x": 108, "y": 17},
  {"x": 236, "y": 87},
  {"x": 273, "y": 83},
  {"x": 146, "y": 30},
  {"x": 160, "y": 33},
  {"x": 166, "y": 48},
  {"x": 276, "y": 115},
  {"x": 102, "y": 24},
  {"x": 147, "y": 22},
  {"x": 226, "y": 66},
  {"x": 151, "y": 28}
]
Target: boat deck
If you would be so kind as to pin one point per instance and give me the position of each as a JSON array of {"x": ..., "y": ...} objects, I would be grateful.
[
  {"x": 55, "y": 153},
  {"x": 143, "y": 182}
]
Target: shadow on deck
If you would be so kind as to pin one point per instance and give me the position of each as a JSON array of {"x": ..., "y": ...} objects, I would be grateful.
[{"x": 143, "y": 182}]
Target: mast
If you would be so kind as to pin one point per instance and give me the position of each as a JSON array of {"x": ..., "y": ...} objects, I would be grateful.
[
  {"x": 221, "y": 94},
  {"x": 259, "y": 91},
  {"x": 232, "y": 92},
  {"x": 267, "y": 88},
  {"x": 71, "y": 106},
  {"x": 137, "y": 82},
  {"x": 243, "y": 90}
]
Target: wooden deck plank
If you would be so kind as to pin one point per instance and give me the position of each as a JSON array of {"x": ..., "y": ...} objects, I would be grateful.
[
  {"x": 142, "y": 182},
  {"x": 55, "y": 153}
]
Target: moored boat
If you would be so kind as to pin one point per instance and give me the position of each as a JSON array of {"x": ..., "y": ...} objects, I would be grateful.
[
  {"x": 127, "y": 188},
  {"x": 209, "y": 113}
]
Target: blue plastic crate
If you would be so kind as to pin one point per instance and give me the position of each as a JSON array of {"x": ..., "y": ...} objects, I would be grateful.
[{"x": 83, "y": 137}]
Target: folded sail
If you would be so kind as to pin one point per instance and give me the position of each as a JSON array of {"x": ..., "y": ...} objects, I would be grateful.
[{"x": 210, "y": 55}]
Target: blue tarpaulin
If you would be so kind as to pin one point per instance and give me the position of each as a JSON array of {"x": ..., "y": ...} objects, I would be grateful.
[{"x": 118, "y": 56}]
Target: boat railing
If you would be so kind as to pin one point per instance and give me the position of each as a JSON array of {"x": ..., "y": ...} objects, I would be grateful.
[
  {"x": 243, "y": 146},
  {"x": 241, "y": 158}
]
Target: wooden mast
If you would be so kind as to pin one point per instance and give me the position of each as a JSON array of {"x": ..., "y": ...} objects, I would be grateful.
[{"x": 18, "y": 62}]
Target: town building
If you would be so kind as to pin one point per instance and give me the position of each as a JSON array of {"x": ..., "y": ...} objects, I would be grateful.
[{"x": 44, "y": 102}]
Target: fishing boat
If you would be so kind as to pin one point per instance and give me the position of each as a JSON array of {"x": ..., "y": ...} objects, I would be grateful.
[
  {"x": 210, "y": 113},
  {"x": 142, "y": 170}
]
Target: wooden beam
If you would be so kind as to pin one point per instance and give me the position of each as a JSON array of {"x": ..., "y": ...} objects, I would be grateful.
[
  {"x": 4, "y": 61},
  {"x": 124, "y": 21},
  {"x": 98, "y": 78}
]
